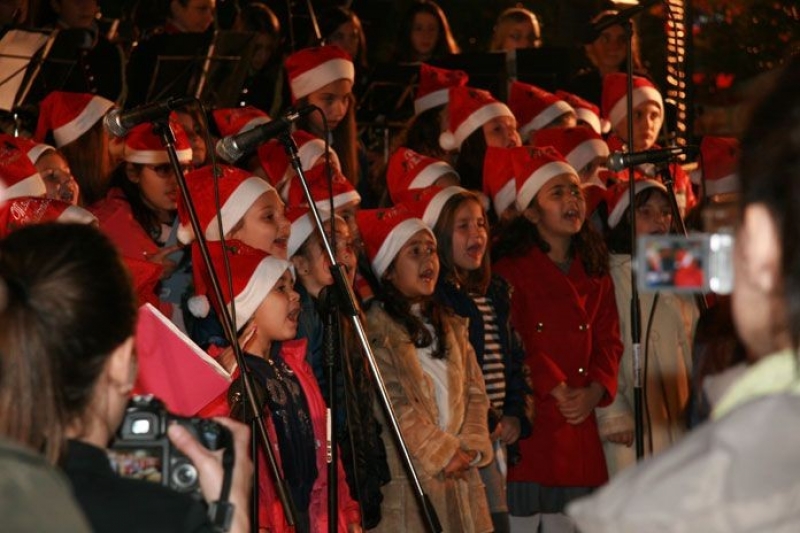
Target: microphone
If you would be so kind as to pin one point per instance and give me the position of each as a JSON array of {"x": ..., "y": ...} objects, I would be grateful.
[
  {"x": 233, "y": 147},
  {"x": 623, "y": 16},
  {"x": 619, "y": 160},
  {"x": 119, "y": 122}
]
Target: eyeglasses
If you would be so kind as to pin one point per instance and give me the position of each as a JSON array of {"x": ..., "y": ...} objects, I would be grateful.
[{"x": 164, "y": 170}]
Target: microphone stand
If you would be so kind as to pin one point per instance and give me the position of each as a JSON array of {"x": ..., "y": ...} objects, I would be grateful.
[
  {"x": 636, "y": 313},
  {"x": 331, "y": 345},
  {"x": 162, "y": 129},
  {"x": 346, "y": 302}
]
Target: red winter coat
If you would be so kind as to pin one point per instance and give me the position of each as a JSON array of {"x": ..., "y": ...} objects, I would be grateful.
[{"x": 570, "y": 329}]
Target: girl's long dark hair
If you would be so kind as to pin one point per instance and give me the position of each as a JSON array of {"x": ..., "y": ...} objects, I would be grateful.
[
  {"x": 474, "y": 281},
  {"x": 445, "y": 45},
  {"x": 521, "y": 236},
  {"x": 469, "y": 164},
  {"x": 398, "y": 307},
  {"x": 145, "y": 216}
]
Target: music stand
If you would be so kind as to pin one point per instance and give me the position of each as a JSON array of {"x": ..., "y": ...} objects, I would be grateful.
[
  {"x": 389, "y": 95},
  {"x": 549, "y": 68},
  {"x": 226, "y": 68},
  {"x": 21, "y": 54}
]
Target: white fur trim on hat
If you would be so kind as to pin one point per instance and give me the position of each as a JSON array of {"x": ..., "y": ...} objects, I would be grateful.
[
  {"x": 430, "y": 174},
  {"x": 642, "y": 185},
  {"x": 724, "y": 185},
  {"x": 546, "y": 116},
  {"x": 33, "y": 185},
  {"x": 537, "y": 180},
  {"x": 340, "y": 200},
  {"x": 76, "y": 215},
  {"x": 585, "y": 152},
  {"x": 393, "y": 242},
  {"x": 321, "y": 75},
  {"x": 431, "y": 100},
  {"x": 302, "y": 228},
  {"x": 640, "y": 94},
  {"x": 504, "y": 197},
  {"x": 237, "y": 205},
  {"x": 265, "y": 276},
  {"x": 199, "y": 305},
  {"x": 452, "y": 140},
  {"x": 79, "y": 125},
  {"x": 590, "y": 118},
  {"x": 38, "y": 151},
  {"x": 155, "y": 157},
  {"x": 436, "y": 204}
]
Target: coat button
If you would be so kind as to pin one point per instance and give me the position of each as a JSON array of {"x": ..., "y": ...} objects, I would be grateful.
[
  {"x": 539, "y": 327},
  {"x": 583, "y": 327},
  {"x": 581, "y": 371}
]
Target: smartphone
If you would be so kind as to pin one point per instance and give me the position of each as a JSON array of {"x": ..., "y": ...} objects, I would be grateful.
[{"x": 698, "y": 263}]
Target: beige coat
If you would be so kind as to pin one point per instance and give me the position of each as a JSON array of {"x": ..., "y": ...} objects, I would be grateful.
[
  {"x": 460, "y": 504},
  {"x": 669, "y": 366}
]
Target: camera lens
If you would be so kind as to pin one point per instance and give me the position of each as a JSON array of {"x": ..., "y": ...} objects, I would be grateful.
[{"x": 184, "y": 477}]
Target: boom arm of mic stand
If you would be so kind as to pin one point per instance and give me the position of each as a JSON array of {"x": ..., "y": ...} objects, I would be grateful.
[
  {"x": 162, "y": 129},
  {"x": 346, "y": 300}
]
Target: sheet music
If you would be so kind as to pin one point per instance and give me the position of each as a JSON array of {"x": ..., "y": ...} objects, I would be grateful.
[{"x": 17, "y": 47}]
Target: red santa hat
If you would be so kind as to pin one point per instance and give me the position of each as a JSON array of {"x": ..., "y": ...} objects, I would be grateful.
[
  {"x": 719, "y": 161},
  {"x": 16, "y": 170},
  {"x": 33, "y": 149},
  {"x": 427, "y": 204},
  {"x": 498, "y": 178},
  {"x": 313, "y": 68},
  {"x": 233, "y": 120},
  {"x": 385, "y": 232},
  {"x": 253, "y": 272},
  {"x": 579, "y": 145},
  {"x": 277, "y": 165},
  {"x": 29, "y": 210},
  {"x": 618, "y": 197},
  {"x": 434, "y": 85},
  {"x": 143, "y": 146},
  {"x": 238, "y": 190},
  {"x": 615, "y": 95},
  {"x": 302, "y": 225},
  {"x": 409, "y": 170},
  {"x": 585, "y": 111},
  {"x": 317, "y": 177},
  {"x": 533, "y": 168},
  {"x": 534, "y": 107},
  {"x": 468, "y": 110},
  {"x": 69, "y": 115}
]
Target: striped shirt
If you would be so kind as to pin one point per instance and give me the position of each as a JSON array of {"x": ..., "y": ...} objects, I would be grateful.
[{"x": 493, "y": 367}]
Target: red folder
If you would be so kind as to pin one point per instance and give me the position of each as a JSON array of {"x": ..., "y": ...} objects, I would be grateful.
[{"x": 173, "y": 368}]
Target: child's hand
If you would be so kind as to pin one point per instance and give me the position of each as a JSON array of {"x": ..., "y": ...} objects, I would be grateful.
[
  {"x": 509, "y": 429},
  {"x": 160, "y": 258},
  {"x": 459, "y": 464},
  {"x": 624, "y": 438},
  {"x": 579, "y": 403}
]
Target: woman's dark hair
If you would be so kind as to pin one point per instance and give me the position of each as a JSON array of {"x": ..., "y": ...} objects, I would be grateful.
[
  {"x": 89, "y": 160},
  {"x": 145, "y": 216},
  {"x": 66, "y": 303},
  {"x": 421, "y": 133},
  {"x": 333, "y": 17},
  {"x": 619, "y": 237},
  {"x": 474, "y": 281},
  {"x": 769, "y": 172},
  {"x": 521, "y": 235},
  {"x": 345, "y": 139},
  {"x": 469, "y": 164},
  {"x": 446, "y": 44}
]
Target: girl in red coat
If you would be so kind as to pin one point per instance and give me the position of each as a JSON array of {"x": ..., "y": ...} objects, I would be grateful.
[{"x": 563, "y": 306}]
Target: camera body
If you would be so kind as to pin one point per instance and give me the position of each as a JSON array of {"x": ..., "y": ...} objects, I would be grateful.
[
  {"x": 697, "y": 263},
  {"x": 142, "y": 450}
]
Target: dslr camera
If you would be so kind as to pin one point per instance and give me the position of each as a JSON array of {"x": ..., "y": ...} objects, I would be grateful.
[{"x": 142, "y": 450}]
